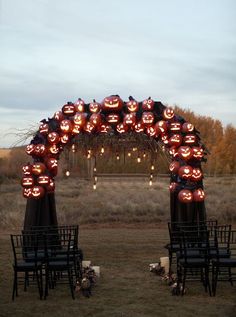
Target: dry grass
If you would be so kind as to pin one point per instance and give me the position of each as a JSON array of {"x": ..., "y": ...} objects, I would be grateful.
[{"x": 4, "y": 153}]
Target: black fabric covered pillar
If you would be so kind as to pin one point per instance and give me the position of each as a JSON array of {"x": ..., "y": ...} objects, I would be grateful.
[
  {"x": 190, "y": 212},
  {"x": 40, "y": 212}
]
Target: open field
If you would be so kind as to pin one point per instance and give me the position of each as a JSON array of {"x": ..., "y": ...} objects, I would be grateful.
[{"x": 126, "y": 288}]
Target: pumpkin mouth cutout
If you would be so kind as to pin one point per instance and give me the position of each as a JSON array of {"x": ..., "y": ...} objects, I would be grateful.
[{"x": 112, "y": 105}]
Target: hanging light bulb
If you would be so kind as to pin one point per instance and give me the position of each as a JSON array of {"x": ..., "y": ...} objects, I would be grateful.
[
  {"x": 67, "y": 173},
  {"x": 89, "y": 154},
  {"x": 73, "y": 148},
  {"x": 95, "y": 179},
  {"x": 94, "y": 186},
  {"x": 134, "y": 149},
  {"x": 102, "y": 150},
  {"x": 139, "y": 159},
  {"x": 95, "y": 169},
  {"x": 144, "y": 154},
  {"x": 151, "y": 176},
  {"x": 152, "y": 167},
  {"x": 150, "y": 182},
  {"x": 129, "y": 154},
  {"x": 117, "y": 157}
]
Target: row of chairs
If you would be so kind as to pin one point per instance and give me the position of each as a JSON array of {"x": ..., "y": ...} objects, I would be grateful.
[
  {"x": 203, "y": 247},
  {"x": 49, "y": 254}
]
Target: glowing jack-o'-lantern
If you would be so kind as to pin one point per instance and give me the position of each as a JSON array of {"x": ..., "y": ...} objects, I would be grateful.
[
  {"x": 27, "y": 192},
  {"x": 130, "y": 119},
  {"x": 190, "y": 139},
  {"x": 104, "y": 128},
  {"x": 122, "y": 128},
  {"x": 198, "y": 195},
  {"x": 164, "y": 138},
  {"x": 43, "y": 128},
  {"x": 27, "y": 169},
  {"x": 64, "y": 138},
  {"x": 148, "y": 104},
  {"x": 30, "y": 149},
  {"x": 113, "y": 118},
  {"x": 187, "y": 127},
  {"x": 66, "y": 126},
  {"x": 139, "y": 127},
  {"x": 27, "y": 181},
  {"x": 53, "y": 138},
  {"x": 79, "y": 105},
  {"x": 161, "y": 126},
  {"x": 58, "y": 115},
  {"x": 69, "y": 109},
  {"x": 185, "y": 152},
  {"x": 40, "y": 150},
  {"x": 76, "y": 129},
  {"x": 52, "y": 165},
  {"x": 175, "y": 126},
  {"x": 174, "y": 167},
  {"x": 80, "y": 119},
  {"x": 89, "y": 127},
  {"x": 173, "y": 187},
  {"x": 151, "y": 131},
  {"x": 175, "y": 140},
  {"x": 132, "y": 105},
  {"x": 94, "y": 107},
  {"x": 196, "y": 174},
  {"x": 185, "y": 196},
  {"x": 173, "y": 151},
  {"x": 185, "y": 172},
  {"x": 95, "y": 119},
  {"x": 38, "y": 168},
  {"x": 198, "y": 152},
  {"x": 38, "y": 192},
  {"x": 112, "y": 103},
  {"x": 54, "y": 149},
  {"x": 147, "y": 118},
  {"x": 168, "y": 113},
  {"x": 51, "y": 186},
  {"x": 43, "y": 180}
]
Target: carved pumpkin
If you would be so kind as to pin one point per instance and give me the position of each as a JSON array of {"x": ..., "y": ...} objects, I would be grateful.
[
  {"x": 66, "y": 126},
  {"x": 64, "y": 138},
  {"x": 27, "y": 192},
  {"x": 173, "y": 151},
  {"x": 40, "y": 150},
  {"x": 38, "y": 192},
  {"x": 187, "y": 127},
  {"x": 185, "y": 196},
  {"x": 94, "y": 107},
  {"x": 196, "y": 174},
  {"x": 27, "y": 169},
  {"x": 113, "y": 118},
  {"x": 151, "y": 131},
  {"x": 27, "y": 181},
  {"x": 80, "y": 119},
  {"x": 43, "y": 180},
  {"x": 168, "y": 113},
  {"x": 104, "y": 128},
  {"x": 54, "y": 149},
  {"x": 95, "y": 119},
  {"x": 147, "y": 118},
  {"x": 173, "y": 187},
  {"x": 130, "y": 119},
  {"x": 198, "y": 152},
  {"x": 174, "y": 167},
  {"x": 139, "y": 127},
  {"x": 69, "y": 109},
  {"x": 175, "y": 140},
  {"x": 198, "y": 195},
  {"x": 132, "y": 105},
  {"x": 190, "y": 139},
  {"x": 52, "y": 165},
  {"x": 164, "y": 138},
  {"x": 76, "y": 129},
  {"x": 148, "y": 104},
  {"x": 53, "y": 138},
  {"x": 29, "y": 149},
  {"x": 79, "y": 105},
  {"x": 89, "y": 127},
  {"x": 185, "y": 152},
  {"x": 43, "y": 128},
  {"x": 185, "y": 172},
  {"x": 58, "y": 115},
  {"x": 38, "y": 168},
  {"x": 175, "y": 126},
  {"x": 122, "y": 128},
  {"x": 112, "y": 104},
  {"x": 161, "y": 126}
]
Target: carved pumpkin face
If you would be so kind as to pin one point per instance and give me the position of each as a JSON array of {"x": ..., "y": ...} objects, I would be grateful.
[
  {"x": 198, "y": 195},
  {"x": 43, "y": 128},
  {"x": 38, "y": 168},
  {"x": 130, "y": 119},
  {"x": 139, "y": 127},
  {"x": 27, "y": 192},
  {"x": 64, "y": 138},
  {"x": 27, "y": 169},
  {"x": 187, "y": 127},
  {"x": 190, "y": 139},
  {"x": 95, "y": 119},
  {"x": 122, "y": 128},
  {"x": 29, "y": 149},
  {"x": 173, "y": 151},
  {"x": 168, "y": 113},
  {"x": 89, "y": 127},
  {"x": 113, "y": 118},
  {"x": 147, "y": 118},
  {"x": 173, "y": 187},
  {"x": 53, "y": 138},
  {"x": 66, "y": 126},
  {"x": 54, "y": 149},
  {"x": 185, "y": 196},
  {"x": 197, "y": 152},
  {"x": 80, "y": 119},
  {"x": 185, "y": 152},
  {"x": 174, "y": 167},
  {"x": 76, "y": 129},
  {"x": 104, "y": 128},
  {"x": 112, "y": 104},
  {"x": 79, "y": 105},
  {"x": 40, "y": 150},
  {"x": 69, "y": 109},
  {"x": 43, "y": 180},
  {"x": 58, "y": 115},
  {"x": 196, "y": 175},
  {"x": 161, "y": 126},
  {"x": 27, "y": 181},
  {"x": 94, "y": 107},
  {"x": 148, "y": 104},
  {"x": 185, "y": 172},
  {"x": 52, "y": 164},
  {"x": 151, "y": 131},
  {"x": 164, "y": 138},
  {"x": 175, "y": 140},
  {"x": 132, "y": 105},
  {"x": 38, "y": 192},
  {"x": 175, "y": 126}
]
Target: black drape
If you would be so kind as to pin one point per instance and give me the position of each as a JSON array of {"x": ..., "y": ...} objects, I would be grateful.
[
  {"x": 40, "y": 212},
  {"x": 190, "y": 212}
]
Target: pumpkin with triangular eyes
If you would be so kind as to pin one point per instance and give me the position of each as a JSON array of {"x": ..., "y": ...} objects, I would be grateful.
[
  {"x": 38, "y": 192},
  {"x": 80, "y": 118},
  {"x": 79, "y": 105},
  {"x": 198, "y": 152},
  {"x": 69, "y": 109},
  {"x": 122, "y": 128},
  {"x": 185, "y": 172},
  {"x": 198, "y": 195},
  {"x": 112, "y": 104},
  {"x": 132, "y": 105},
  {"x": 185, "y": 152},
  {"x": 94, "y": 107},
  {"x": 148, "y": 104},
  {"x": 168, "y": 113},
  {"x": 130, "y": 119},
  {"x": 147, "y": 118},
  {"x": 187, "y": 127},
  {"x": 66, "y": 126},
  {"x": 175, "y": 140},
  {"x": 43, "y": 128},
  {"x": 185, "y": 196}
]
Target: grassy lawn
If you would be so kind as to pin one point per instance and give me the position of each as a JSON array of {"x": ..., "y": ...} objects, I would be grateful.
[{"x": 126, "y": 288}]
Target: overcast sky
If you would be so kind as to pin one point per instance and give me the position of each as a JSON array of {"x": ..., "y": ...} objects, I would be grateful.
[{"x": 177, "y": 51}]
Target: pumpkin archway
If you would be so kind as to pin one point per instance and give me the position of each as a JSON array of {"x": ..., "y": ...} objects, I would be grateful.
[{"x": 112, "y": 117}]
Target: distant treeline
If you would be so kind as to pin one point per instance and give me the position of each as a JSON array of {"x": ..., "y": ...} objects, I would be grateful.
[{"x": 220, "y": 142}]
